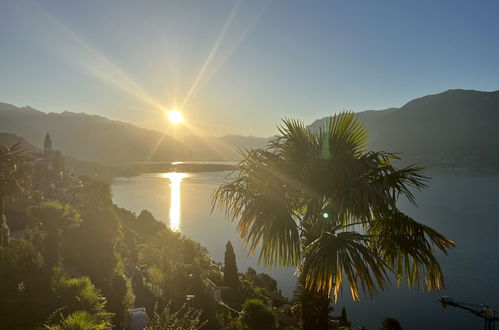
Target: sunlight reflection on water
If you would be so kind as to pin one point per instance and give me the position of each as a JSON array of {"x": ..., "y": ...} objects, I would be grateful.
[{"x": 175, "y": 203}]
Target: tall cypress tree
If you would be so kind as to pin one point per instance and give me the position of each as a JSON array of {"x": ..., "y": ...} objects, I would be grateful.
[{"x": 231, "y": 279}]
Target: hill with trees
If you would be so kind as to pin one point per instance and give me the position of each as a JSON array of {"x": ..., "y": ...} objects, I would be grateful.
[
  {"x": 453, "y": 129},
  {"x": 71, "y": 259}
]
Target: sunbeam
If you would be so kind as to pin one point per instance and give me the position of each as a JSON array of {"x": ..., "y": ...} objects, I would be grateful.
[
  {"x": 213, "y": 51},
  {"x": 79, "y": 52}
]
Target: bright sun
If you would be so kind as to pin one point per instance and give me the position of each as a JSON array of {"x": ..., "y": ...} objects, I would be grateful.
[{"x": 175, "y": 117}]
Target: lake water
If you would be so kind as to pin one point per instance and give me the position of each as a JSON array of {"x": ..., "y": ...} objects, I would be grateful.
[{"x": 465, "y": 207}]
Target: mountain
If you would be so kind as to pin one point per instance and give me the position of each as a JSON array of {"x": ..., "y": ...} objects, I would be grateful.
[
  {"x": 96, "y": 138},
  {"x": 9, "y": 139},
  {"x": 457, "y": 128}
]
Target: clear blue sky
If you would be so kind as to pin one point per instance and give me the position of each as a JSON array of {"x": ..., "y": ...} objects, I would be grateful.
[{"x": 240, "y": 66}]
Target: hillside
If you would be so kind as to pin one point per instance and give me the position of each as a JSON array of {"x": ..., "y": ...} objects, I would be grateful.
[
  {"x": 453, "y": 129},
  {"x": 9, "y": 139},
  {"x": 96, "y": 138}
]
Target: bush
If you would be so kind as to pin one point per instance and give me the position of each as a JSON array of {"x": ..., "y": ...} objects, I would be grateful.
[{"x": 256, "y": 316}]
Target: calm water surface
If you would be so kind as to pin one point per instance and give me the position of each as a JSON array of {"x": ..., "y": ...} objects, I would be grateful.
[{"x": 465, "y": 207}]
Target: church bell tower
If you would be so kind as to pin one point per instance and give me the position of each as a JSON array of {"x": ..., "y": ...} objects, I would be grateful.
[{"x": 47, "y": 145}]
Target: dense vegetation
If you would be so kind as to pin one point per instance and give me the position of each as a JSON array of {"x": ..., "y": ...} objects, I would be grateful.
[{"x": 71, "y": 259}]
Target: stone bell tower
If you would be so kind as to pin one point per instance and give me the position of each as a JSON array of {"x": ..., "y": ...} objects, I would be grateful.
[{"x": 47, "y": 145}]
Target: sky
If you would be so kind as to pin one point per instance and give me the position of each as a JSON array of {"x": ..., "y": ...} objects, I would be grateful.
[{"x": 239, "y": 67}]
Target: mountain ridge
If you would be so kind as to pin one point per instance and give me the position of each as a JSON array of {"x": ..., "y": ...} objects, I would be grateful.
[
  {"x": 97, "y": 138},
  {"x": 455, "y": 128}
]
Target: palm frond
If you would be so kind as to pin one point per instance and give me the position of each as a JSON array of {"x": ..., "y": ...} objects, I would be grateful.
[
  {"x": 79, "y": 320},
  {"x": 256, "y": 199},
  {"x": 14, "y": 169},
  {"x": 346, "y": 135},
  {"x": 408, "y": 248},
  {"x": 331, "y": 257}
]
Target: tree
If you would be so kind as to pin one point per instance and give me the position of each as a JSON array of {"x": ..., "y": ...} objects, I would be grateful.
[
  {"x": 95, "y": 247},
  {"x": 23, "y": 286},
  {"x": 54, "y": 220},
  {"x": 390, "y": 323},
  {"x": 14, "y": 178},
  {"x": 186, "y": 318},
  {"x": 321, "y": 202},
  {"x": 256, "y": 316},
  {"x": 146, "y": 225},
  {"x": 265, "y": 281},
  {"x": 251, "y": 274},
  {"x": 231, "y": 278}
]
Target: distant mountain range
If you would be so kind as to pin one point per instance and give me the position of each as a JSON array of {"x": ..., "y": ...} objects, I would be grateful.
[
  {"x": 454, "y": 129},
  {"x": 96, "y": 138}
]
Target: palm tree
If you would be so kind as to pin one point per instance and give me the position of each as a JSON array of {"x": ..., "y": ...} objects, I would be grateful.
[
  {"x": 320, "y": 202},
  {"x": 14, "y": 178},
  {"x": 79, "y": 320}
]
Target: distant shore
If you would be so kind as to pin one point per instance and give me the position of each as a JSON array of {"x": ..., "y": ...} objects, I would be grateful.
[{"x": 182, "y": 167}]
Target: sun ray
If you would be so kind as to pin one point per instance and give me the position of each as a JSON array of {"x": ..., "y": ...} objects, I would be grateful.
[
  {"x": 74, "y": 49},
  {"x": 213, "y": 52}
]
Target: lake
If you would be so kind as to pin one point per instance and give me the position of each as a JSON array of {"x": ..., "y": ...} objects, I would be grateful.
[{"x": 463, "y": 206}]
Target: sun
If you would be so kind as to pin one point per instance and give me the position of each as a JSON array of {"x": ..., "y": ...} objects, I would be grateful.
[{"x": 175, "y": 117}]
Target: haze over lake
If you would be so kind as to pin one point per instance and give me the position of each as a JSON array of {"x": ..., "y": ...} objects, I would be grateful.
[{"x": 453, "y": 204}]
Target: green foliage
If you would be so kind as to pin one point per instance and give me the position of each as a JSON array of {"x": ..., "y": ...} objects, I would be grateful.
[
  {"x": 231, "y": 277},
  {"x": 186, "y": 318},
  {"x": 251, "y": 274},
  {"x": 15, "y": 173},
  {"x": 94, "y": 244},
  {"x": 79, "y": 294},
  {"x": 390, "y": 323},
  {"x": 94, "y": 194},
  {"x": 15, "y": 170},
  {"x": 98, "y": 243},
  {"x": 79, "y": 320},
  {"x": 174, "y": 257},
  {"x": 253, "y": 286},
  {"x": 4, "y": 231},
  {"x": 179, "y": 266},
  {"x": 54, "y": 220},
  {"x": 256, "y": 316},
  {"x": 19, "y": 262},
  {"x": 22, "y": 286},
  {"x": 147, "y": 225},
  {"x": 265, "y": 281}
]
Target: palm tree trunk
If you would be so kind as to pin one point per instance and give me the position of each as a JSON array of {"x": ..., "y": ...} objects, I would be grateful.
[{"x": 315, "y": 308}]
